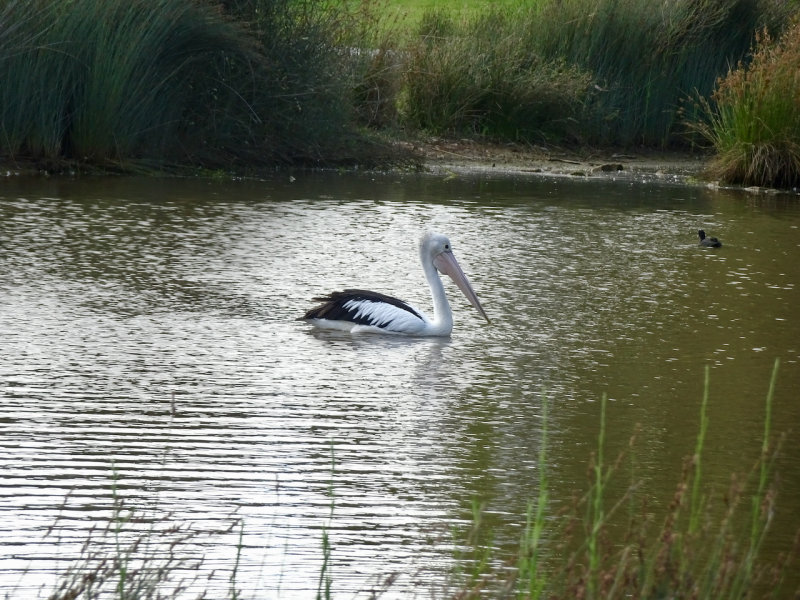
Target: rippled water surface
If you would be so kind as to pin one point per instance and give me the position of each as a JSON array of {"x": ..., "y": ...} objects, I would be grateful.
[{"x": 153, "y": 367}]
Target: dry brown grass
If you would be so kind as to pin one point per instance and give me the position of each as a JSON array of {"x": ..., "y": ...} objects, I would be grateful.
[{"x": 754, "y": 117}]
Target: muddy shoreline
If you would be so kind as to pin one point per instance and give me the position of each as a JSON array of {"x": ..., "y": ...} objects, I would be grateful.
[
  {"x": 467, "y": 156},
  {"x": 434, "y": 154},
  {"x": 452, "y": 157}
]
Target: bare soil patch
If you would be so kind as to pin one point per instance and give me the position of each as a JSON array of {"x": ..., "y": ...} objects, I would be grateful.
[{"x": 463, "y": 156}]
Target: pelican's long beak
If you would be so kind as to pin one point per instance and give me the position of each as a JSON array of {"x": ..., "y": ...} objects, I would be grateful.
[{"x": 446, "y": 263}]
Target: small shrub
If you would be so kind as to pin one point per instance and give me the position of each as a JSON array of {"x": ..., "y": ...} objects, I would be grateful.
[{"x": 483, "y": 77}]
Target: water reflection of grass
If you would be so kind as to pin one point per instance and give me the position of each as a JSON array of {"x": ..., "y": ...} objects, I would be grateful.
[{"x": 699, "y": 550}]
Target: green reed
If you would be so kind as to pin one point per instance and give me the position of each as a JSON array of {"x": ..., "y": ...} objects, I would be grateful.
[
  {"x": 325, "y": 579},
  {"x": 595, "y": 518},
  {"x": 530, "y": 576},
  {"x": 251, "y": 83},
  {"x": 762, "y": 501},
  {"x": 696, "y": 498},
  {"x": 234, "y": 590}
]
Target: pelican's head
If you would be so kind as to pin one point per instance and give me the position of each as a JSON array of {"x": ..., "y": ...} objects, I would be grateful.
[{"x": 435, "y": 248}]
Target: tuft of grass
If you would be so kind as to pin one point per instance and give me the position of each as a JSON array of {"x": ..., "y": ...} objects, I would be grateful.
[
  {"x": 752, "y": 120},
  {"x": 144, "y": 62},
  {"x": 135, "y": 556},
  {"x": 33, "y": 113},
  {"x": 106, "y": 80}
]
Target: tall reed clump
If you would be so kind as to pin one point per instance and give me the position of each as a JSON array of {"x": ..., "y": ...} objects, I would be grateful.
[
  {"x": 242, "y": 83},
  {"x": 38, "y": 75},
  {"x": 753, "y": 118},
  {"x": 107, "y": 80},
  {"x": 701, "y": 549},
  {"x": 299, "y": 94},
  {"x": 147, "y": 64},
  {"x": 645, "y": 59}
]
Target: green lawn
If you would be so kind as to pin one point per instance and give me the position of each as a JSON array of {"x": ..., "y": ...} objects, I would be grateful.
[
  {"x": 414, "y": 9},
  {"x": 418, "y": 6}
]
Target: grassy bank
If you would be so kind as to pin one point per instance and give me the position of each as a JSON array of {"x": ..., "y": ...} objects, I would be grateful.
[
  {"x": 253, "y": 83},
  {"x": 705, "y": 544}
]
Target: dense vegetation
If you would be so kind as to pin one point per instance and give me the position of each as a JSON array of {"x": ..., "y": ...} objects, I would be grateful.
[
  {"x": 251, "y": 83},
  {"x": 623, "y": 73},
  {"x": 247, "y": 82}
]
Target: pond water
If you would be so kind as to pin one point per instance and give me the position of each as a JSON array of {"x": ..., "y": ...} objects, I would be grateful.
[{"x": 154, "y": 374}]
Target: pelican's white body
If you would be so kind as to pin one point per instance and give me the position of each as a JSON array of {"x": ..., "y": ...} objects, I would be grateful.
[{"x": 360, "y": 311}]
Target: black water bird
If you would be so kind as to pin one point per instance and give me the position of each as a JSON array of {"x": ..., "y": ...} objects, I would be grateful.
[{"x": 708, "y": 242}]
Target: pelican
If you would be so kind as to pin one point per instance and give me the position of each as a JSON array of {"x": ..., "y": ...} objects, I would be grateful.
[
  {"x": 361, "y": 311},
  {"x": 708, "y": 242}
]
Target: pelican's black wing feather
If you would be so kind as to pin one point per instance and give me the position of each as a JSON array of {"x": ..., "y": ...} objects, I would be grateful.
[{"x": 334, "y": 306}]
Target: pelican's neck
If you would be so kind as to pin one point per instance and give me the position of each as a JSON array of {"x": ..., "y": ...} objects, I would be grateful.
[{"x": 442, "y": 315}]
